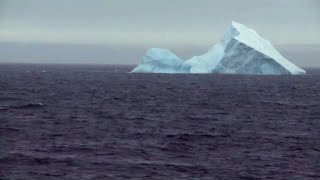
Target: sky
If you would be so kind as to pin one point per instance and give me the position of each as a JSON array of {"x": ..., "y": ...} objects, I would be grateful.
[{"x": 146, "y": 23}]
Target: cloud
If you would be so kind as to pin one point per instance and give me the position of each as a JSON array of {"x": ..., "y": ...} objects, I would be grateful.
[{"x": 171, "y": 21}]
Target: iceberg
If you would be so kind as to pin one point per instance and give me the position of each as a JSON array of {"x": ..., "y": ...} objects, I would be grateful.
[{"x": 240, "y": 51}]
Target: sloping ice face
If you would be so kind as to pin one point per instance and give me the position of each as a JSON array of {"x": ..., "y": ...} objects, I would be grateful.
[
  {"x": 251, "y": 62},
  {"x": 240, "y": 51}
]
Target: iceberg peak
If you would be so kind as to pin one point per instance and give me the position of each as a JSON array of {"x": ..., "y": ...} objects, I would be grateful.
[{"x": 236, "y": 24}]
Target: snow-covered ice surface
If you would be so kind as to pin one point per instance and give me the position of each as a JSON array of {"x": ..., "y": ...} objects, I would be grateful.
[{"x": 240, "y": 51}]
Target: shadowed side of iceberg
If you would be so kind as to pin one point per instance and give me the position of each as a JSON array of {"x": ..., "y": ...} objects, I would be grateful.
[{"x": 251, "y": 62}]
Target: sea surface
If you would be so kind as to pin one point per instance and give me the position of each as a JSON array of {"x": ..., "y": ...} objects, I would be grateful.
[{"x": 96, "y": 122}]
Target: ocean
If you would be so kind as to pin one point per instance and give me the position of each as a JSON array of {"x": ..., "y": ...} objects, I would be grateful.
[{"x": 97, "y": 122}]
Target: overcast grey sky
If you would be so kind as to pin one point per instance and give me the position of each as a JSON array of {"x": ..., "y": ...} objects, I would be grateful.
[
  {"x": 156, "y": 21},
  {"x": 119, "y": 31}
]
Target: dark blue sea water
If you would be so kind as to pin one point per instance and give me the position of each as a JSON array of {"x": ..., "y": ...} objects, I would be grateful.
[{"x": 100, "y": 122}]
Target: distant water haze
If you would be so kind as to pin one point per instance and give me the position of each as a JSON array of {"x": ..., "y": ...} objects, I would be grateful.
[{"x": 301, "y": 55}]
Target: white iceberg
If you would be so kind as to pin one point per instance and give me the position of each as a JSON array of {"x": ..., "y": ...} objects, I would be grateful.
[{"x": 240, "y": 51}]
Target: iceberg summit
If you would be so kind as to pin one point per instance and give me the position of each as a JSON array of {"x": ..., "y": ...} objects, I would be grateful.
[{"x": 240, "y": 51}]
